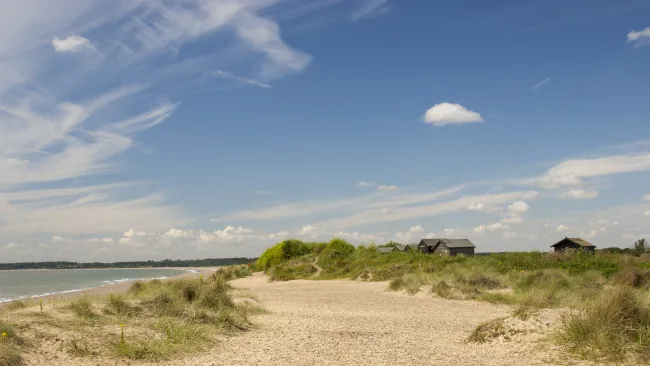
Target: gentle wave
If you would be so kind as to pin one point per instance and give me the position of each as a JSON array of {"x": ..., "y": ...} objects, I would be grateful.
[{"x": 104, "y": 283}]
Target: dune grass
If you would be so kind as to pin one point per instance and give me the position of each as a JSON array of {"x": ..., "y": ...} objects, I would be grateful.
[
  {"x": 614, "y": 327},
  {"x": 9, "y": 352},
  {"x": 154, "y": 320},
  {"x": 596, "y": 286}
]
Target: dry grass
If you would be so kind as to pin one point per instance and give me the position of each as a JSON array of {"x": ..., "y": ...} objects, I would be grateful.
[
  {"x": 154, "y": 320},
  {"x": 614, "y": 327},
  {"x": 9, "y": 353}
]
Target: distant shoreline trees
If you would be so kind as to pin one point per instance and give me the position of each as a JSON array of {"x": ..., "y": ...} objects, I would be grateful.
[{"x": 136, "y": 264}]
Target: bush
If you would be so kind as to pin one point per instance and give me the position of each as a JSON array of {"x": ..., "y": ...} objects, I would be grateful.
[
  {"x": 632, "y": 277},
  {"x": 282, "y": 252},
  {"x": 336, "y": 251}
]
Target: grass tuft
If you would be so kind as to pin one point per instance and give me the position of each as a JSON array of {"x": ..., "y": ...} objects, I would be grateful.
[
  {"x": 83, "y": 308},
  {"x": 614, "y": 327}
]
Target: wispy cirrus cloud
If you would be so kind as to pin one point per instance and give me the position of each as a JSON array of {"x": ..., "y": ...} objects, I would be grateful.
[
  {"x": 68, "y": 115},
  {"x": 541, "y": 83},
  {"x": 371, "y": 8}
]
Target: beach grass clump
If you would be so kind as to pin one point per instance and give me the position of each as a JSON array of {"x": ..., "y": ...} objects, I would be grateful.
[
  {"x": 83, "y": 308},
  {"x": 488, "y": 331},
  {"x": 292, "y": 270},
  {"x": 120, "y": 306},
  {"x": 614, "y": 327},
  {"x": 9, "y": 352}
]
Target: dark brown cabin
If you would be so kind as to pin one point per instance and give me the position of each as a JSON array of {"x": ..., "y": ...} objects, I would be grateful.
[
  {"x": 446, "y": 246},
  {"x": 573, "y": 243}
]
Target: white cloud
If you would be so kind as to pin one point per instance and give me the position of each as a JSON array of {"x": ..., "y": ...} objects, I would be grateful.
[
  {"x": 100, "y": 240},
  {"x": 56, "y": 239},
  {"x": 307, "y": 229},
  {"x": 475, "y": 206},
  {"x": 491, "y": 227},
  {"x": 571, "y": 172},
  {"x": 416, "y": 229},
  {"x": 448, "y": 113},
  {"x": 11, "y": 246},
  {"x": 541, "y": 83},
  {"x": 70, "y": 44},
  {"x": 371, "y": 8},
  {"x": 402, "y": 212},
  {"x": 366, "y": 184},
  {"x": 561, "y": 228},
  {"x": 641, "y": 37},
  {"x": 646, "y": 197},
  {"x": 647, "y": 213},
  {"x": 512, "y": 220},
  {"x": 373, "y": 203},
  {"x": 579, "y": 194},
  {"x": 451, "y": 232},
  {"x": 559, "y": 181},
  {"x": 387, "y": 188},
  {"x": 509, "y": 234},
  {"x": 240, "y": 79},
  {"x": 589, "y": 234},
  {"x": 518, "y": 207}
]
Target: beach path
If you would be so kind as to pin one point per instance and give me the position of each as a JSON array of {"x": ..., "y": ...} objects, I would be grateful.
[{"x": 361, "y": 323}]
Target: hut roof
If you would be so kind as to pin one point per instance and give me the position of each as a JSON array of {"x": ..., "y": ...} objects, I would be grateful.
[
  {"x": 385, "y": 249},
  {"x": 578, "y": 241},
  {"x": 449, "y": 243}
]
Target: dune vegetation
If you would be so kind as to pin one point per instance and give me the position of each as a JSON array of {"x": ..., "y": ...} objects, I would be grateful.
[
  {"x": 606, "y": 295},
  {"x": 153, "y": 320}
]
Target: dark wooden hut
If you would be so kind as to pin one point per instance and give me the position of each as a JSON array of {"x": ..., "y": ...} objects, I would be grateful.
[{"x": 573, "y": 243}]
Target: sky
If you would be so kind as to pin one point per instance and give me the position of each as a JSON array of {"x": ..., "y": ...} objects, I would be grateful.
[{"x": 142, "y": 129}]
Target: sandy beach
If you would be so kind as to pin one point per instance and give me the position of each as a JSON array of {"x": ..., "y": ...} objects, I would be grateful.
[
  {"x": 343, "y": 322},
  {"x": 361, "y": 323}
]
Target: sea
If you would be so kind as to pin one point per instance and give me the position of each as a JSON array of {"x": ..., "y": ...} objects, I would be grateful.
[{"x": 22, "y": 284}]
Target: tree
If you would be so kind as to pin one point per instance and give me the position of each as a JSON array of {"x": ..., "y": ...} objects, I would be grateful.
[{"x": 640, "y": 247}]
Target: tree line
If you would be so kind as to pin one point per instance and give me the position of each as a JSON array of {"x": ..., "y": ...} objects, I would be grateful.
[{"x": 211, "y": 262}]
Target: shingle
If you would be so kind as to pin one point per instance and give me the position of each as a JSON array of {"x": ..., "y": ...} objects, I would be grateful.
[{"x": 459, "y": 243}]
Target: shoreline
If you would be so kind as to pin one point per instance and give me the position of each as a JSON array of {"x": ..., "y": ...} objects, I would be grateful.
[{"x": 107, "y": 288}]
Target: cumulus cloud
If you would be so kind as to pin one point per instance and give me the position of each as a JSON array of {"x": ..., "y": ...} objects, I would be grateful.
[
  {"x": 448, "y": 113},
  {"x": 11, "y": 246},
  {"x": 491, "y": 227},
  {"x": 71, "y": 44},
  {"x": 509, "y": 234},
  {"x": 512, "y": 220},
  {"x": 647, "y": 213},
  {"x": 306, "y": 229},
  {"x": 475, "y": 206},
  {"x": 561, "y": 228},
  {"x": 639, "y": 38},
  {"x": 579, "y": 194},
  {"x": 416, "y": 229},
  {"x": 518, "y": 207},
  {"x": 366, "y": 184},
  {"x": 56, "y": 239},
  {"x": 646, "y": 197}
]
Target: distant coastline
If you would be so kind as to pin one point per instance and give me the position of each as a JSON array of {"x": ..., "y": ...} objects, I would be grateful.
[{"x": 167, "y": 263}]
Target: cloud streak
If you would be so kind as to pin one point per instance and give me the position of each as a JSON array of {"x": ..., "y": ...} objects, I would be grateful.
[{"x": 541, "y": 83}]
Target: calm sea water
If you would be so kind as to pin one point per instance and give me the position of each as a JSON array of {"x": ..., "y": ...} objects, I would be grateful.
[{"x": 21, "y": 284}]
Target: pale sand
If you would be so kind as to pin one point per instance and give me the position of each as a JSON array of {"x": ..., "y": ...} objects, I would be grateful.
[
  {"x": 356, "y": 323},
  {"x": 361, "y": 323}
]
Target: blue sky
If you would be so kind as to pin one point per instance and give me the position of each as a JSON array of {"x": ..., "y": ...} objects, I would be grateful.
[{"x": 212, "y": 128}]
